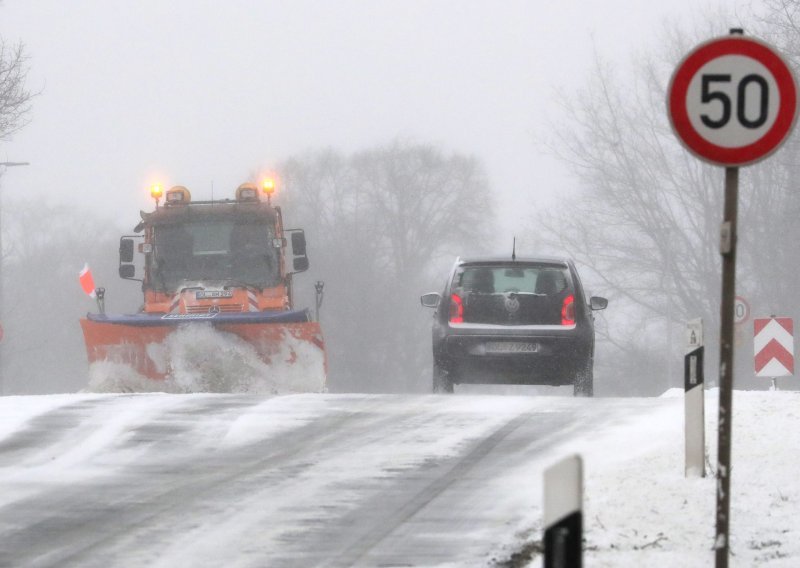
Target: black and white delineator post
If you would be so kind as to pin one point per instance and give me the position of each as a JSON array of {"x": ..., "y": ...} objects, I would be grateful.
[
  {"x": 563, "y": 514},
  {"x": 694, "y": 398}
]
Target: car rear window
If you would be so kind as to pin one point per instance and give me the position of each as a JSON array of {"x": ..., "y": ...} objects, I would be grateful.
[{"x": 512, "y": 295}]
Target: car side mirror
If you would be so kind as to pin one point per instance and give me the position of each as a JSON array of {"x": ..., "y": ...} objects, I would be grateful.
[
  {"x": 127, "y": 271},
  {"x": 430, "y": 300},
  {"x": 598, "y": 303}
]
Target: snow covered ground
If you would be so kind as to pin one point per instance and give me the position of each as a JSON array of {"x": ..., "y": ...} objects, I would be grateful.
[
  {"x": 62, "y": 456},
  {"x": 640, "y": 510}
]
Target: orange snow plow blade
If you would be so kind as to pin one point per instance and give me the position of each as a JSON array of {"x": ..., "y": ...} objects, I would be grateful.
[{"x": 157, "y": 348}]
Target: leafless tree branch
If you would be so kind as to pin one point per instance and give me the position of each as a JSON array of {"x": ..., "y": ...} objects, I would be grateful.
[{"x": 15, "y": 98}]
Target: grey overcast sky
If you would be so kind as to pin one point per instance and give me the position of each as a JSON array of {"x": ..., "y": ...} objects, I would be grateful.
[{"x": 194, "y": 91}]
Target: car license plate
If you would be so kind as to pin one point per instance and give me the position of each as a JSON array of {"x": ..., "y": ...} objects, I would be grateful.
[{"x": 511, "y": 347}]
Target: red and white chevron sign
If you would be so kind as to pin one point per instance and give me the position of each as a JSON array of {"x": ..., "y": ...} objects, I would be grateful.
[{"x": 774, "y": 347}]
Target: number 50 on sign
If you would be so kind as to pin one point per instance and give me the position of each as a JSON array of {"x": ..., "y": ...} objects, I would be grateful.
[{"x": 732, "y": 101}]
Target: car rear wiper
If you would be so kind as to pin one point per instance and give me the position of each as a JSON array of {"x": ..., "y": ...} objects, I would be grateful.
[{"x": 537, "y": 294}]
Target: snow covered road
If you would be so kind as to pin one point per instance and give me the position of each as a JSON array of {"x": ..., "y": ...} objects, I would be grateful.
[
  {"x": 344, "y": 480},
  {"x": 236, "y": 480}
]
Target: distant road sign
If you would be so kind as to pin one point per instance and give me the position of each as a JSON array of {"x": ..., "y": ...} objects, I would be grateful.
[
  {"x": 773, "y": 344},
  {"x": 741, "y": 310},
  {"x": 732, "y": 100}
]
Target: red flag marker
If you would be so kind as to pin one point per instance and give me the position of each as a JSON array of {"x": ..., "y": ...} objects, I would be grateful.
[{"x": 86, "y": 280}]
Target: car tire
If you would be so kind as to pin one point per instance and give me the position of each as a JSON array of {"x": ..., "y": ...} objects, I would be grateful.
[
  {"x": 584, "y": 379},
  {"x": 442, "y": 384}
]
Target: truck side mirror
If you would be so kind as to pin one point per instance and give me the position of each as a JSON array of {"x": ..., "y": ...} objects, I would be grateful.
[
  {"x": 127, "y": 271},
  {"x": 299, "y": 243},
  {"x": 125, "y": 250},
  {"x": 300, "y": 264}
]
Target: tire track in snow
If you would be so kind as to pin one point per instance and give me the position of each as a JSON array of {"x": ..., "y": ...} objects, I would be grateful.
[
  {"x": 284, "y": 497},
  {"x": 84, "y": 524}
]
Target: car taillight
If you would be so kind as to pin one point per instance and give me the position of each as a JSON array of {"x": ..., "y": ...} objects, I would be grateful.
[
  {"x": 456, "y": 309},
  {"x": 568, "y": 311}
]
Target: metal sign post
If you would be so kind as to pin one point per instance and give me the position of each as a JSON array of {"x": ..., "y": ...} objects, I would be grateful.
[
  {"x": 728, "y": 251},
  {"x": 732, "y": 101}
]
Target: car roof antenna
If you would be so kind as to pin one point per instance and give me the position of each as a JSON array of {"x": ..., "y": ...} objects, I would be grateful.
[{"x": 514, "y": 249}]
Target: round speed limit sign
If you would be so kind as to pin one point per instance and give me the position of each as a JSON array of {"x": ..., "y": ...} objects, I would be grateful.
[
  {"x": 741, "y": 310},
  {"x": 732, "y": 101}
]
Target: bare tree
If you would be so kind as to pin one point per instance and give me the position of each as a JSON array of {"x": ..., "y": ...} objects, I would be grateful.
[
  {"x": 646, "y": 220},
  {"x": 780, "y": 23},
  {"x": 15, "y": 99},
  {"x": 646, "y": 210},
  {"x": 380, "y": 224},
  {"x": 47, "y": 245}
]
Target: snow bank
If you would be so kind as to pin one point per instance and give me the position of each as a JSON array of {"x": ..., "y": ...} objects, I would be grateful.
[{"x": 640, "y": 510}]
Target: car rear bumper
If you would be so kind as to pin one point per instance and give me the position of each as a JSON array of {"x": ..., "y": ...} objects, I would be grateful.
[{"x": 552, "y": 359}]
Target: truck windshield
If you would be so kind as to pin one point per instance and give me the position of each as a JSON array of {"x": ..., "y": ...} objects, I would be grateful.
[{"x": 234, "y": 252}]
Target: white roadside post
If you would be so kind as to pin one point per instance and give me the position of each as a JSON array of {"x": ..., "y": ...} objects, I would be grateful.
[
  {"x": 773, "y": 344},
  {"x": 563, "y": 514},
  {"x": 694, "y": 399}
]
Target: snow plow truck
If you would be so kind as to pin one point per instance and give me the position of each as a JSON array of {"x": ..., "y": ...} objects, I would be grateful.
[{"x": 223, "y": 265}]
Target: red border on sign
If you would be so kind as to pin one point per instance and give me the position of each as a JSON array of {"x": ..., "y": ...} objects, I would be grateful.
[
  {"x": 746, "y": 310},
  {"x": 771, "y": 140}
]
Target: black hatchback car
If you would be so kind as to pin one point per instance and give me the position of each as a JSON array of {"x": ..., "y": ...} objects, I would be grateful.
[{"x": 522, "y": 321}]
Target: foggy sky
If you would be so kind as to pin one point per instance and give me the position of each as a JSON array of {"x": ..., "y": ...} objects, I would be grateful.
[{"x": 199, "y": 93}]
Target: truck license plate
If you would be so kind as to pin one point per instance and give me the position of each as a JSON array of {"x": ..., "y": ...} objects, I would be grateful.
[
  {"x": 210, "y": 294},
  {"x": 511, "y": 347}
]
